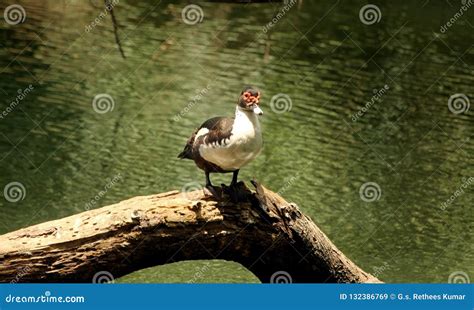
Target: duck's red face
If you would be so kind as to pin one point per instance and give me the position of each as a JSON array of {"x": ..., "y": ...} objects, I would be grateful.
[
  {"x": 250, "y": 100},
  {"x": 251, "y": 97}
]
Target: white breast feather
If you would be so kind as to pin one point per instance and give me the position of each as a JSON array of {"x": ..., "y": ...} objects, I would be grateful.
[{"x": 243, "y": 146}]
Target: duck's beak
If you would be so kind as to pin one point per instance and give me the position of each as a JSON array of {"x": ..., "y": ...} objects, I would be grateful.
[{"x": 257, "y": 110}]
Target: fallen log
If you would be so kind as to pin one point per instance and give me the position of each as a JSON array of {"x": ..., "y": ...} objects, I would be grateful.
[{"x": 257, "y": 229}]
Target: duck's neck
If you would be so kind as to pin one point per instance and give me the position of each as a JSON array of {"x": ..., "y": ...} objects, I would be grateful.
[{"x": 245, "y": 119}]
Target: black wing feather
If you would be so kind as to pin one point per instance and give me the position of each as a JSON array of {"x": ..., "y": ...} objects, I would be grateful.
[{"x": 220, "y": 129}]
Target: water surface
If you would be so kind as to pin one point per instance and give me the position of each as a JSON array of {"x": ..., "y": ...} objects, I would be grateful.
[{"x": 317, "y": 154}]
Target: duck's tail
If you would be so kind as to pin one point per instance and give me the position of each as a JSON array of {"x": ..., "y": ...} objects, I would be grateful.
[{"x": 186, "y": 153}]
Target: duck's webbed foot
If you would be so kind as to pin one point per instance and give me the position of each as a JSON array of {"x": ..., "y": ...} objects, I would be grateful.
[
  {"x": 212, "y": 191},
  {"x": 235, "y": 191}
]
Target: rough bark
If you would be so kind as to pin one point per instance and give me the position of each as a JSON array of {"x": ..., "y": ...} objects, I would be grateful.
[{"x": 257, "y": 229}]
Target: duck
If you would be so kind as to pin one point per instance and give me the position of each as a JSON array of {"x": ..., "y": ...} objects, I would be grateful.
[{"x": 226, "y": 144}]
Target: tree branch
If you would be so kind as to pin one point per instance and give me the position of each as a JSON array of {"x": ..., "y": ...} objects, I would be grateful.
[
  {"x": 259, "y": 229},
  {"x": 110, "y": 6}
]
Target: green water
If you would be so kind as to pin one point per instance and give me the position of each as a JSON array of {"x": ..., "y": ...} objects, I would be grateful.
[{"x": 317, "y": 154}]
